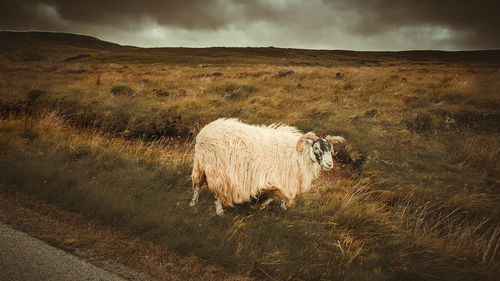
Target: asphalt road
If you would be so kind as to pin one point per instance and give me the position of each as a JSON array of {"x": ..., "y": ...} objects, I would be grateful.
[{"x": 25, "y": 258}]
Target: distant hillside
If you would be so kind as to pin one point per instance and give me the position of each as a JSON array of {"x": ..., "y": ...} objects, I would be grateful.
[
  {"x": 64, "y": 39},
  {"x": 32, "y": 46}
]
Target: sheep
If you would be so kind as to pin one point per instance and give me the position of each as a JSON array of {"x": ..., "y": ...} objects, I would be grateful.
[{"x": 239, "y": 161}]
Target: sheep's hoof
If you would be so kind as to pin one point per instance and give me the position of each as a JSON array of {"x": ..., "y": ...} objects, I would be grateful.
[
  {"x": 266, "y": 203},
  {"x": 283, "y": 205},
  {"x": 193, "y": 203}
]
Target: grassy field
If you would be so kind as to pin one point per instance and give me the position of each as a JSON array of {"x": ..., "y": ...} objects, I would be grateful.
[{"x": 106, "y": 131}]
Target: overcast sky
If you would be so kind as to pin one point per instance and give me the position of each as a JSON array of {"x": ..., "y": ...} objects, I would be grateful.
[{"x": 312, "y": 24}]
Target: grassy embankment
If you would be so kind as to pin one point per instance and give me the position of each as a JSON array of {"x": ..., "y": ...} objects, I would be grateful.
[{"x": 423, "y": 205}]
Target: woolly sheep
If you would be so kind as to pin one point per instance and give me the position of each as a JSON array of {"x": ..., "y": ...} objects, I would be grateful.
[{"x": 238, "y": 161}]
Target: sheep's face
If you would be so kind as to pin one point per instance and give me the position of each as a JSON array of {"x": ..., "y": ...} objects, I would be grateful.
[{"x": 321, "y": 153}]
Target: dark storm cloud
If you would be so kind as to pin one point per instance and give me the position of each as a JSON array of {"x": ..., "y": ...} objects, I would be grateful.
[
  {"x": 119, "y": 13},
  {"x": 354, "y": 24},
  {"x": 475, "y": 23}
]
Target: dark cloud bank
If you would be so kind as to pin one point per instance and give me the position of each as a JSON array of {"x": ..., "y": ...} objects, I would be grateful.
[{"x": 327, "y": 24}]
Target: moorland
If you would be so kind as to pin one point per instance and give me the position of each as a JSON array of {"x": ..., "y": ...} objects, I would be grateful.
[{"x": 106, "y": 131}]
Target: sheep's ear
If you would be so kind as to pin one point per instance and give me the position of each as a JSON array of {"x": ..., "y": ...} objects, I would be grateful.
[
  {"x": 335, "y": 139},
  {"x": 307, "y": 142}
]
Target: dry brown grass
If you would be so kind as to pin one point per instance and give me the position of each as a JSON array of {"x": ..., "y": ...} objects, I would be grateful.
[
  {"x": 424, "y": 204},
  {"x": 350, "y": 219}
]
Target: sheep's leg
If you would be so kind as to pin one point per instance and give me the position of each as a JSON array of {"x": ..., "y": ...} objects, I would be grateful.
[
  {"x": 198, "y": 178},
  {"x": 277, "y": 194},
  {"x": 266, "y": 203},
  {"x": 283, "y": 205},
  {"x": 196, "y": 194},
  {"x": 218, "y": 208}
]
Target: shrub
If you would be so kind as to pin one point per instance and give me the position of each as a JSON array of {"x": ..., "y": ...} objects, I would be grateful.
[
  {"x": 236, "y": 92},
  {"x": 81, "y": 56},
  {"x": 161, "y": 93},
  {"x": 121, "y": 90},
  {"x": 423, "y": 123},
  {"x": 34, "y": 95},
  {"x": 284, "y": 73}
]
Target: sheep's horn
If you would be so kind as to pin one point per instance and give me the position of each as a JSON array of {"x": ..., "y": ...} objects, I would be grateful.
[
  {"x": 335, "y": 139},
  {"x": 308, "y": 136}
]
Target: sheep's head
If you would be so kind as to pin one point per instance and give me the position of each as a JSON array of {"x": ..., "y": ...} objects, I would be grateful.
[{"x": 320, "y": 152}]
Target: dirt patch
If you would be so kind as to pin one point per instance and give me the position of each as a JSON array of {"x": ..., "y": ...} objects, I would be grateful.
[{"x": 101, "y": 245}]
